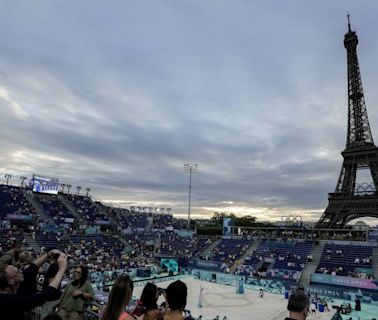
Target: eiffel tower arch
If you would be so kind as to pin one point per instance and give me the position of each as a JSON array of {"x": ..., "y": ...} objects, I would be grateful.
[{"x": 352, "y": 200}]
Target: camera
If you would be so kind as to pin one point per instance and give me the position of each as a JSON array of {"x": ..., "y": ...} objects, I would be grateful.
[{"x": 55, "y": 256}]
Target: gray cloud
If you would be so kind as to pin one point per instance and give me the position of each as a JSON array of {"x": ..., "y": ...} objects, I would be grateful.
[{"x": 119, "y": 96}]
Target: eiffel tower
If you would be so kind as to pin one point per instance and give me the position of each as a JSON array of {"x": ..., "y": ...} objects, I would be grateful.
[{"x": 352, "y": 200}]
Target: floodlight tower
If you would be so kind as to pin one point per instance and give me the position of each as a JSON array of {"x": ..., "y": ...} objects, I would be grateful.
[
  {"x": 78, "y": 188},
  {"x": 62, "y": 185},
  {"x": 190, "y": 168},
  {"x": 22, "y": 181},
  {"x": 69, "y": 186},
  {"x": 8, "y": 176},
  {"x": 87, "y": 189}
]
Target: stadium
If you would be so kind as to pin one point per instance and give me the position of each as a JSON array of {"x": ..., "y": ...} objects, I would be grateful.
[
  {"x": 65, "y": 254},
  {"x": 338, "y": 265}
]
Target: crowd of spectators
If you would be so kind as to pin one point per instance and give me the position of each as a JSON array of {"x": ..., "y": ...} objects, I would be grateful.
[
  {"x": 229, "y": 250},
  {"x": 20, "y": 272},
  {"x": 15, "y": 208},
  {"x": 18, "y": 282},
  {"x": 346, "y": 260},
  {"x": 145, "y": 235},
  {"x": 87, "y": 209},
  {"x": 56, "y": 210}
]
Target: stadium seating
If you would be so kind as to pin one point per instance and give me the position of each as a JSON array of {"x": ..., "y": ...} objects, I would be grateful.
[
  {"x": 55, "y": 209},
  {"x": 344, "y": 259},
  {"x": 14, "y": 206},
  {"x": 229, "y": 250}
]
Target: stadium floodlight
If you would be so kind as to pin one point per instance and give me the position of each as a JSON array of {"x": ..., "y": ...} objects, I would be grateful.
[
  {"x": 22, "y": 181},
  {"x": 87, "y": 189},
  {"x": 190, "y": 168},
  {"x": 8, "y": 176},
  {"x": 62, "y": 185},
  {"x": 78, "y": 188},
  {"x": 68, "y": 188}
]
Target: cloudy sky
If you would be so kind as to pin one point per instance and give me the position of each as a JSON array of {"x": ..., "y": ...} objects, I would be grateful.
[{"x": 119, "y": 95}]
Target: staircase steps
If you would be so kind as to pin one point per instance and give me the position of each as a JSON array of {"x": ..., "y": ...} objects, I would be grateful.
[
  {"x": 37, "y": 206},
  {"x": 310, "y": 266},
  {"x": 253, "y": 247},
  {"x": 128, "y": 247},
  {"x": 108, "y": 214},
  {"x": 69, "y": 206},
  {"x": 208, "y": 251}
]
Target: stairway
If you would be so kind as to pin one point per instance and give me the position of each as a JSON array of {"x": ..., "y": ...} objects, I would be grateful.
[
  {"x": 107, "y": 213},
  {"x": 69, "y": 206},
  {"x": 37, "y": 206},
  {"x": 310, "y": 267},
  {"x": 128, "y": 247},
  {"x": 208, "y": 251},
  {"x": 253, "y": 247},
  {"x": 375, "y": 262}
]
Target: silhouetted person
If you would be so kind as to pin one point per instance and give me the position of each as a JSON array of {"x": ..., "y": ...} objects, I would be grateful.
[{"x": 298, "y": 306}]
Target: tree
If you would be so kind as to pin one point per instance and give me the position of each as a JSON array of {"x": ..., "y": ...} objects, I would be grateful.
[{"x": 245, "y": 221}]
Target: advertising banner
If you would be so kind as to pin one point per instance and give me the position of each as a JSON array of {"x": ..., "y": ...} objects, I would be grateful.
[
  {"x": 21, "y": 217},
  {"x": 206, "y": 264},
  {"x": 102, "y": 222},
  {"x": 344, "y": 281}
]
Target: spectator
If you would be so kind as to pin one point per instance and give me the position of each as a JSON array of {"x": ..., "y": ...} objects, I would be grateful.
[
  {"x": 14, "y": 252},
  {"x": 30, "y": 270},
  {"x": 75, "y": 295},
  {"x": 5, "y": 260},
  {"x": 119, "y": 298},
  {"x": 51, "y": 272},
  {"x": 313, "y": 308},
  {"x": 148, "y": 300},
  {"x": 298, "y": 306},
  {"x": 13, "y": 306},
  {"x": 337, "y": 315},
  {"x": 325, "y": 303},
  {"x": 176, "y": 299}
]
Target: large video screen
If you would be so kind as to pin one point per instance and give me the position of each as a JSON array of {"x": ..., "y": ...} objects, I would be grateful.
[{"x": 44, "y": 184}]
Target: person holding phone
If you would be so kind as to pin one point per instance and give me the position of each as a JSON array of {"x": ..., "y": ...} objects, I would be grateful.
[
  {"x": 147, "y": 304},
  {"x": 13, "y": 305}
]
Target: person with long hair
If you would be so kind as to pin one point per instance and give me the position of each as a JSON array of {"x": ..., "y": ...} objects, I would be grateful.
[
  {"x": 147, "y": 304},
  {"x": 119, "y": 298},
  {"x": 75, "y": 295}
]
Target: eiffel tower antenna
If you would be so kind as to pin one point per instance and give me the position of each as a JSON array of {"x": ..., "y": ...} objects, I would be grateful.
[
  {"x": 349, "y": 29},
  {"x": 351, "y": 200}
]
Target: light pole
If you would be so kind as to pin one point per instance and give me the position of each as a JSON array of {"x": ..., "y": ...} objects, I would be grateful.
[
  {"x": 190, "y": 168},
  {"x": 22, "y": 181},
  {"x": 8, "y": 176}
]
